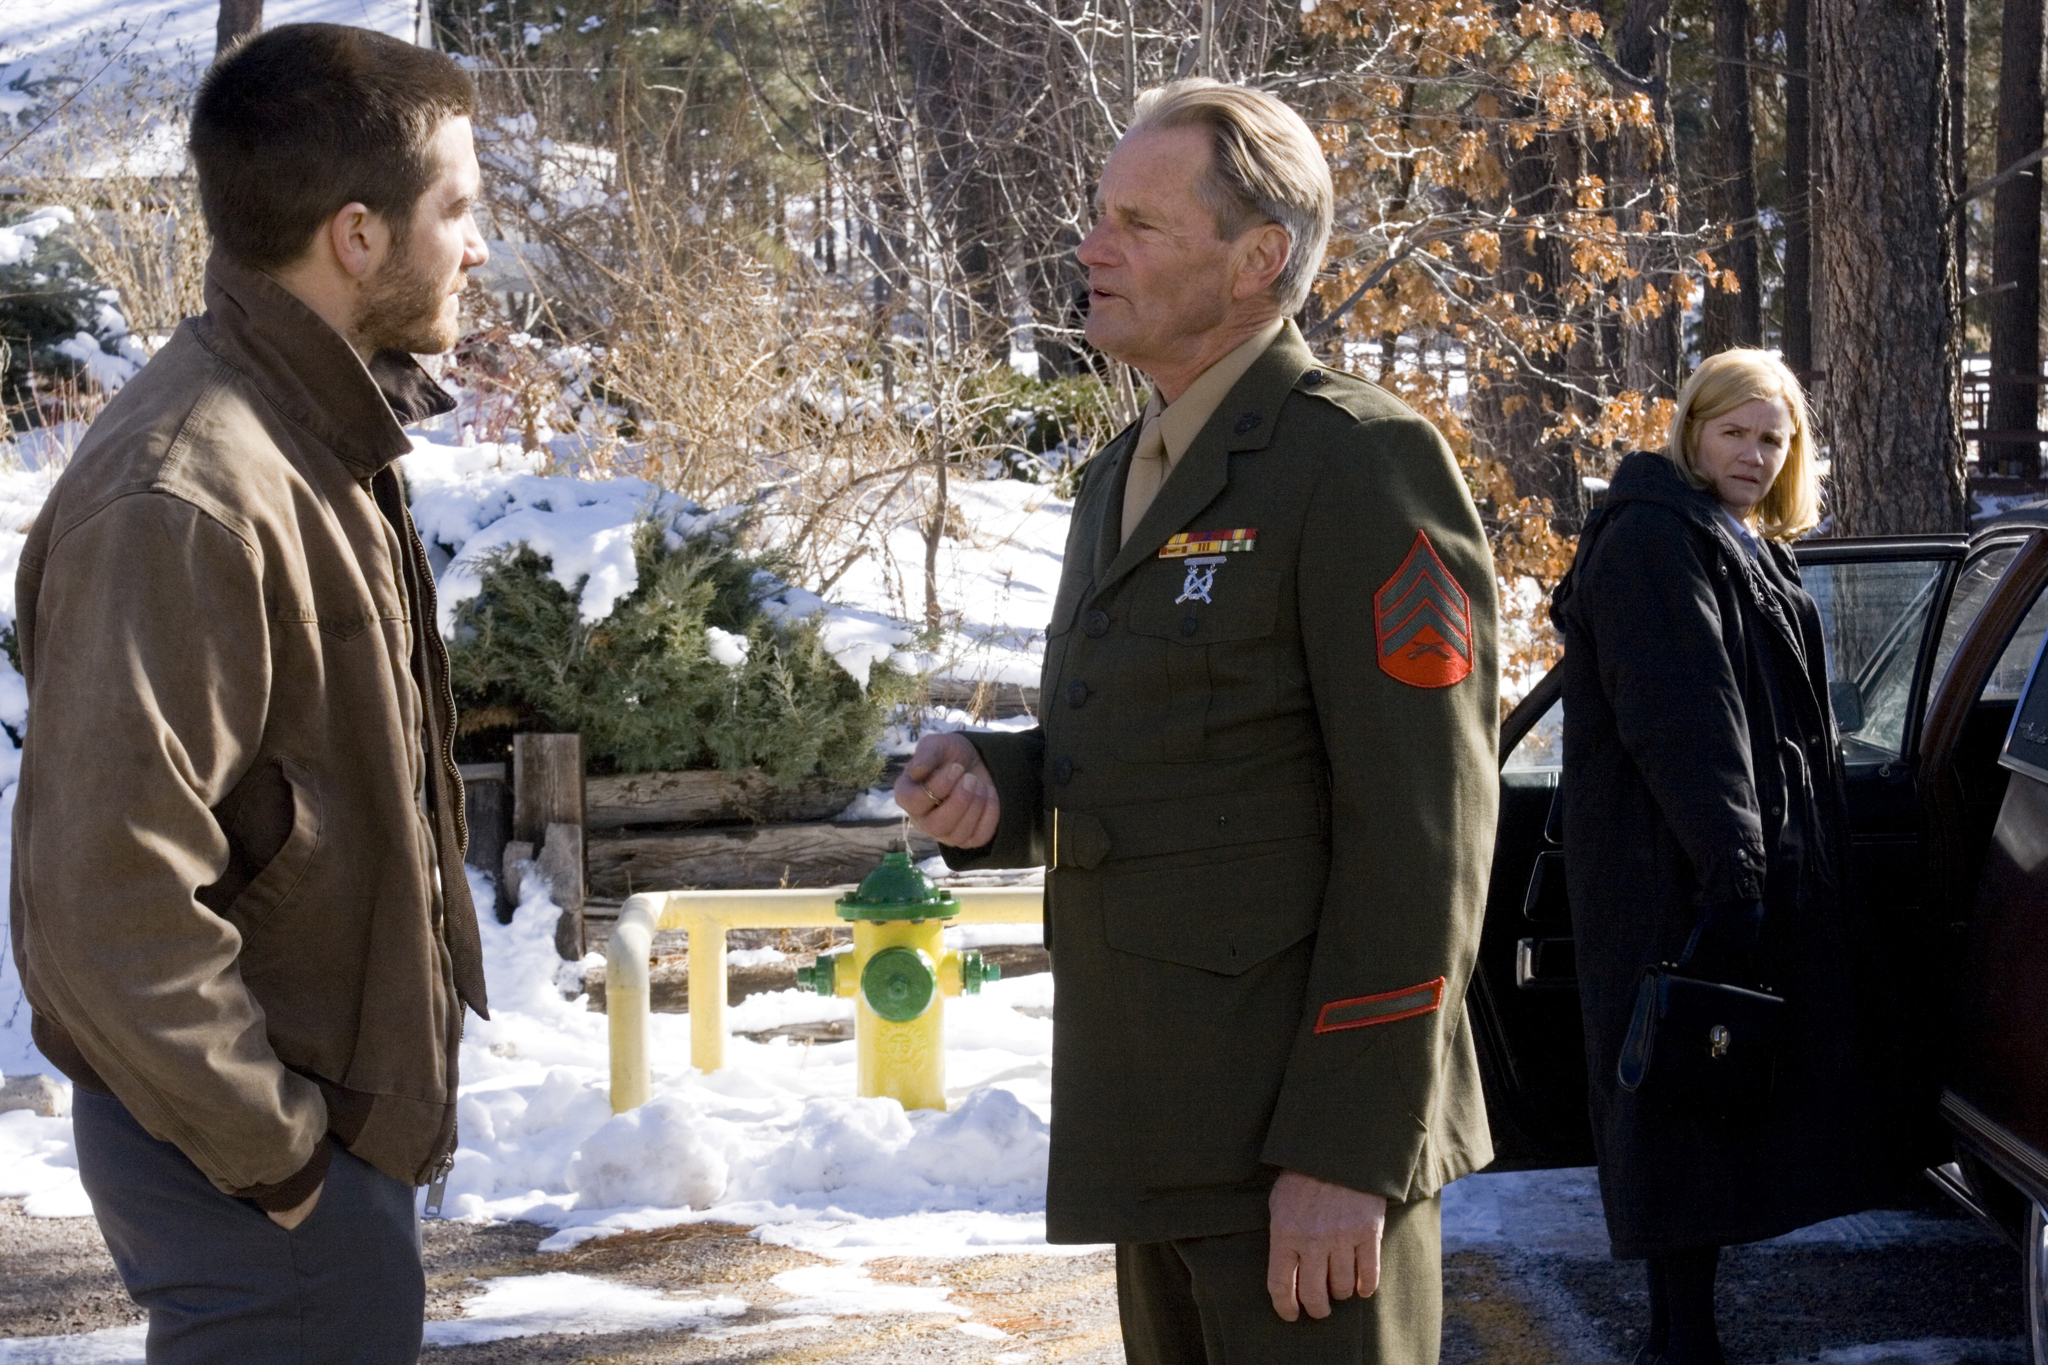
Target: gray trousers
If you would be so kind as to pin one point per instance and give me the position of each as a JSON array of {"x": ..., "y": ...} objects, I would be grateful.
[
  {"x": 224, "y": 1283},
  {"x": 1203, "y": 1301}
]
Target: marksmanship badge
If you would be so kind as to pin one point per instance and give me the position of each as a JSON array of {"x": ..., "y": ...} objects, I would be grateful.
[
  {"x": 1423, "y": 621},
  {"x": 1201, "y": 578}
]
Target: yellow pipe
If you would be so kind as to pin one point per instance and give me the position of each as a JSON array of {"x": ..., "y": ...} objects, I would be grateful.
[{"x": 707, "y": 915}]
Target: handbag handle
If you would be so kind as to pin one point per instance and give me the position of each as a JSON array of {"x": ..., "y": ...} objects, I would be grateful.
[{"x": 1753, "y": 914}]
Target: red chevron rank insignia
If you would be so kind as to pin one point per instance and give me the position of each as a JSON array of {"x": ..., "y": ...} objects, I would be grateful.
[{"x": 1423, "y": 621}]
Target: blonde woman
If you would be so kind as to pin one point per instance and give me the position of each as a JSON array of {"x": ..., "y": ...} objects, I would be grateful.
[{"x": 1703, "y": 804}]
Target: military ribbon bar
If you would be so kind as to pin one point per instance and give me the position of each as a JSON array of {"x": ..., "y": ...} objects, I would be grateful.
[
  {"x": 1237, "y": 538},
  {"x": 1366, "y": 1010}
]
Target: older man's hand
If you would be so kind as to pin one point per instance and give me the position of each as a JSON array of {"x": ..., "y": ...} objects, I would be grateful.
[
  {"x": 947, "y": 792},
  {"x": 1325, "y": 1244}
]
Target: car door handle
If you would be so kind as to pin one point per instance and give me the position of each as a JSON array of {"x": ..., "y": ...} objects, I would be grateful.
[{"x": 1543, "y": 964}]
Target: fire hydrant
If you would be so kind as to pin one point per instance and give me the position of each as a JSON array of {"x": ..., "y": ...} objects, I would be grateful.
[{"x": 897, "y": 970}]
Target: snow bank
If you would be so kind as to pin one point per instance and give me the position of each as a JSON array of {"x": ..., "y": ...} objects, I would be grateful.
[
  {"x": 48, "y": 46},
  {"x": 778, "y": 1138},
  {"x": 996, "y": 583},
  {"x": 474, "y": 501}
]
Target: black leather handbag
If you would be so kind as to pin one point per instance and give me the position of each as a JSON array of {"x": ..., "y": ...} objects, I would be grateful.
[{"x": 1700, "y": 1044}]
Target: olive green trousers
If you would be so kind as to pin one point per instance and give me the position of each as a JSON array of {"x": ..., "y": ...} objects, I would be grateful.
[{"x": 1203, "y": 1301}]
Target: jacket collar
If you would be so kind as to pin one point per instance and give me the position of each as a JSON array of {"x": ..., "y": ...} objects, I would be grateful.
[
  {"x": 312, "y": 375},
  {"x": 1243, "y": 421},
  {"x": 1648, "y": 477}
]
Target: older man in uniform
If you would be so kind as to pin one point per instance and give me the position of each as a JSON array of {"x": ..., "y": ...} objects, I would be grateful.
[{"x": 1264, "y": 784}]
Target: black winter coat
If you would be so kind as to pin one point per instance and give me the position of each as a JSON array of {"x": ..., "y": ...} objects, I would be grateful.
[{"x": 1702, "y": 766}]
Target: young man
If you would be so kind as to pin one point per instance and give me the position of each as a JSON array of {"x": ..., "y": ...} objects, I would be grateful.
[
  {"x": 1263, "y": 784},
  {"x": 239, "y": 907}
]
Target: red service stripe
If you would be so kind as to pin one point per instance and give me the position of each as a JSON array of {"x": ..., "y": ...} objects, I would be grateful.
[{"x": 1434, "y": 990}]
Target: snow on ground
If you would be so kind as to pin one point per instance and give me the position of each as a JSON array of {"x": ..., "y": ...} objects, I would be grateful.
[
  {"x": 72, "y": 40},
  {"x": 1000, "y": 580}
]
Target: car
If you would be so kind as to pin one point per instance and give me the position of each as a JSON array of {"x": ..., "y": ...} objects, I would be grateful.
[{"x": 1934, "y": 648}]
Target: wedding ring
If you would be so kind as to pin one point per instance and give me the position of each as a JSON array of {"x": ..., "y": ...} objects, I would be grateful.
[{"x": 935, "y": 800}]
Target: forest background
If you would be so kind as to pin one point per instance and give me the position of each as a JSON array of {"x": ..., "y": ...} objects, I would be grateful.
[{"x": 816, "y": 256}]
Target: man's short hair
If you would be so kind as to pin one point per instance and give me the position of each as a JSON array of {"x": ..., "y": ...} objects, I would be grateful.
[
  {"x": 1265, "y": 166},
  {"x": 296, "y": 123}
]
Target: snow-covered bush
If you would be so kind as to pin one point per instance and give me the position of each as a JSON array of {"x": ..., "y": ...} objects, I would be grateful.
[{"x": 688, "y": 670}]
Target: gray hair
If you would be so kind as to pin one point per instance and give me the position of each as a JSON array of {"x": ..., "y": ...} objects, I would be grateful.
[{"x": 1265, "y": 166}]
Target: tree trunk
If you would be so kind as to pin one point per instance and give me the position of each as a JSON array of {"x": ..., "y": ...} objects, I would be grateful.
[
  {"x": 1512, "y": 412},
  {"x": 1889, "y": 320},
  {"x": 238, "y": 19},
  {"x": 1733, "y": 318},
  {"x": 1652, "y": 341},
  {"x": 1798, "y": 194},
  {"x": 1958, "y": 19},
  {"x": 2016, "y": 249}
]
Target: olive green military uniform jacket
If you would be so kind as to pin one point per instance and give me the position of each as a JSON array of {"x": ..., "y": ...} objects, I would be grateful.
[{"x": 1264, "y": 784}]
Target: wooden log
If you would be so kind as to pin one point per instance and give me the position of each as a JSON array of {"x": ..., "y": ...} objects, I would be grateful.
[
  {"x": 561, "y": 862},
  {"x": 547, "y": 784},
  {"x": 487, "y": 804},
  {"x": 707, "y": 796},
  {"x": 984, "y": 700},
  {"x": 818, "y": 854},
  {"x": 547, "y": 795}
]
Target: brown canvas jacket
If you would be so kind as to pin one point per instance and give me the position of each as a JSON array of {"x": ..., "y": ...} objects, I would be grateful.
[{"x": 238, "y": 897}]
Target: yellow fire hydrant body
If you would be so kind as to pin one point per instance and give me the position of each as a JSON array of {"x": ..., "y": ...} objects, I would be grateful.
[{"x": 898, "y": 973}]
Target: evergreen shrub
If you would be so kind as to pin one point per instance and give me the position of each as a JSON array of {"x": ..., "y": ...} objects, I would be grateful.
[{"x": 643, "y": 687}]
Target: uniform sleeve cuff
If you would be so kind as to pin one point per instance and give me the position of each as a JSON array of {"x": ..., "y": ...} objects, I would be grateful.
[{"x": 294, "y": 1189}]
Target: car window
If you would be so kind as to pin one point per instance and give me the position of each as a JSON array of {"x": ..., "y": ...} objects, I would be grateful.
[
  {"x": 1972, "y": 591},
  {"x": 1874, "y": 616},
  {"x": 2010, "y": 675},
  {"x": 1541, "y": 750}
]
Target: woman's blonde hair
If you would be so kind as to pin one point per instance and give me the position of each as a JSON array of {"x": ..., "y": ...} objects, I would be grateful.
[{"x": 1724, "y": 383}]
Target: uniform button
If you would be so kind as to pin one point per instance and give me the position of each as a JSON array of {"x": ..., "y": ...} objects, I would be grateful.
[
  {"x": 1313, "y": 378},
  {"x": 1096, "y": 623},
  {"x": 1189, "y": 625},
  {"x": 1077, "y": 692},
  {"x": 1063, "y": 770}
]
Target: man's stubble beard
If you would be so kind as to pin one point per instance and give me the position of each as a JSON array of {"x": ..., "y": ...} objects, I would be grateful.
[{"x": 401, "y": 309}]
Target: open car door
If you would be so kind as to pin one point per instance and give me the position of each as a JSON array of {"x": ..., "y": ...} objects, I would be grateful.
[{"x": 1895, "y": 613}]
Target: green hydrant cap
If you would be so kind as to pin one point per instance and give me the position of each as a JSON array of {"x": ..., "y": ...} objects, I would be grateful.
[
  {"x": 899, "y": 984},
  {"x": 821, "y": 977},
  {"x": 897, "y": 890}
]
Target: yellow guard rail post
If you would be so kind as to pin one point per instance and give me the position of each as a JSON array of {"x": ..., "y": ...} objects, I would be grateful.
[{"x": 707, "y": 915}]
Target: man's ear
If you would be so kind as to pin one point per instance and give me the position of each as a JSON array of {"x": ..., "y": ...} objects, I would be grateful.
[
  {"x": 357, "y": 238},
  {"x": 1261, "y": 256}
]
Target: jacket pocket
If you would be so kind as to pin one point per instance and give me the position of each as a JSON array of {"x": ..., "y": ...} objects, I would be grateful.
[
  {"x": 1217, "y": 656},
  {"x": 1224, "y": 918},
  {"x": 279, "y": 875}
]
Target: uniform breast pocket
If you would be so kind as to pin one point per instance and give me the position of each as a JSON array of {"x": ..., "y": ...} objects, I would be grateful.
[{"x": 1219, "y": 623}]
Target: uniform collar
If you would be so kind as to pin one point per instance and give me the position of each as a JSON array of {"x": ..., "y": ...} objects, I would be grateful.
[
  {"x": 1243, "y": 421},
  {"x": 1182, "y": 420}
]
